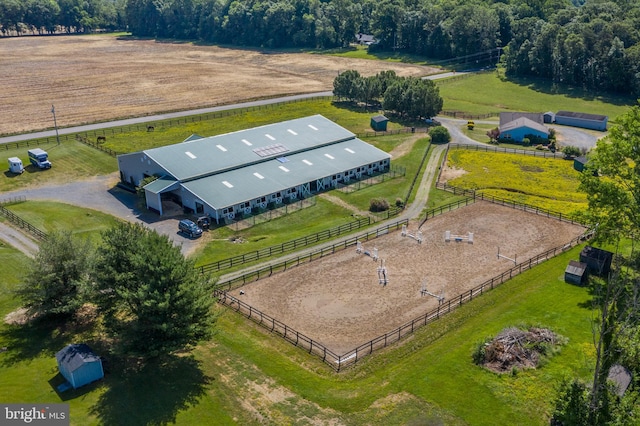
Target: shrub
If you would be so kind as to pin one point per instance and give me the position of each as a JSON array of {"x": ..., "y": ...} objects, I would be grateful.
[
  {"x": 399, "y": 202},
  {"x": 439, "y": 134},
  {"x": 378, "y": 205},
  {"x": 571, "y": 151}
]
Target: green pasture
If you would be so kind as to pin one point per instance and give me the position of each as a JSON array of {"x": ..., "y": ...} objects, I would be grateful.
[
  {"x": 71, "y": 161},
  {"x": 428, "y": 378},
  {"x": 487, "y": 92},
  {"x": 53, "y": 216},
  {"x": 542, "y": 182},
  {"x": 169, "y": 132},
  {"x": 324, "y": 215}
]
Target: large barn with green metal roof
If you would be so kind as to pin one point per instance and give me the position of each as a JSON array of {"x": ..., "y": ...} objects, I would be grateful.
[{"x": 228, "y": 175}]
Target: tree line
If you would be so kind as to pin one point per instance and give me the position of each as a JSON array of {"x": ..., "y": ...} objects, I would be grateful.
[
  {"x": 19, "y": 17},
  {"x": 593, "y": 44}
]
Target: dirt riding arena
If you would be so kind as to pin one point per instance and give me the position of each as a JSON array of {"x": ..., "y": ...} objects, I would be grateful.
[{"x": 338, "y": 301}]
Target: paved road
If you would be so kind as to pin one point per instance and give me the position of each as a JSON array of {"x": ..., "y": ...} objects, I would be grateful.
[{"x": 158, "y": 117}]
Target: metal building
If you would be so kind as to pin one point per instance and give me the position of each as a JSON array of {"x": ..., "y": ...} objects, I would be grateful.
[
  {"x": 581, "y": 119},
  {"x": 231, "y": 174}
]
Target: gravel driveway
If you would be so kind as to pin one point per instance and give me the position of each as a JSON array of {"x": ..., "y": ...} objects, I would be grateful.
[{"x": 101, "y": 193}]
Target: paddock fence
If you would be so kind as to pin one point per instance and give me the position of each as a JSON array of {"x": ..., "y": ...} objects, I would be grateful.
[
  {"x": 507, "y": 203},
  {"x": 339, "y": 362},
  {"x": 269, "y": 270},
  {"x": 147, "y": 126},
  {"x": 17, "y": 220},
  {"x": 450, "y": 305},
  {"x": 285, "y": 247},
  {"x": 493, "y": 148}
]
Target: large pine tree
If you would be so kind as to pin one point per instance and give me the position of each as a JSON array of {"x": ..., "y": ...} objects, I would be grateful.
[{"x": 153, "y": 300}]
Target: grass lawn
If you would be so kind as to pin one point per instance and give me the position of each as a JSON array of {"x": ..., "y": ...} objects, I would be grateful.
[
  {"x": 488, "y": 93},
  {"x": 323, "y": 215},
  {"x": 543, "y": 182},
  {"x": 52, "y": 216},
  {"x": 71, "y": 160},
  {"x": 355, "y": 119}
]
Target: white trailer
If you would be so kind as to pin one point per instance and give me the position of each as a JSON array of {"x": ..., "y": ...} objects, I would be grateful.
[{"x": 15, "y": 165}]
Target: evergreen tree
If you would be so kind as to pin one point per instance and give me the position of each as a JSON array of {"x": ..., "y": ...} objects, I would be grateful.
[
  {"x": 56, "y": 276},
  {"x": 153, "y": 299}
]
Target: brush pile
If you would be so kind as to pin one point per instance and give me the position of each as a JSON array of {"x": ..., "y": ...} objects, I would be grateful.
[{"x": 514, "y": 348}]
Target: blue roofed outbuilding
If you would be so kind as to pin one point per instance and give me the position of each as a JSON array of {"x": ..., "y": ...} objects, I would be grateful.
[{"x": 79, "y": 365}]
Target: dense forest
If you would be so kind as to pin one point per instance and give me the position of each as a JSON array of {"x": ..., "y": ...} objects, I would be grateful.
[{"x": 592, "y": 44}]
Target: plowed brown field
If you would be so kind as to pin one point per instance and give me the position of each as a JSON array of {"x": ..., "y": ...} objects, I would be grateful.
[{"x": 102, "y": 77}]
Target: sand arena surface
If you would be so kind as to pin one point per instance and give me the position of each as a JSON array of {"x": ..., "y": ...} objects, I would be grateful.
[{"x": 338, "y": 301}]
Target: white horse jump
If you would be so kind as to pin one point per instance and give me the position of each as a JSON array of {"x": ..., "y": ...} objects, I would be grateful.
[
  {"x": 515, "y": 262},
  {"x": 416, "y": 236},
  {"x": 361, "y": 250},
  {"x": 425, "y": 292},
  {"x": 383, "y": 276},
  {"x": 448, "y": 236}
]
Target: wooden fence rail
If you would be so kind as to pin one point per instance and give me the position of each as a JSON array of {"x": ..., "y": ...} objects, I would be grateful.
[
  {"x": 493, "y": 148},
  {"x": 15, "y": 219},
  {"x": 477, "y": 195}
]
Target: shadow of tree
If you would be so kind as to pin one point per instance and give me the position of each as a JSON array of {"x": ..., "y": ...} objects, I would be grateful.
[
  {"x": 547, "y": 86},
  {"x": 153, "y": 393},
  {"x": 30, "y": 340}
]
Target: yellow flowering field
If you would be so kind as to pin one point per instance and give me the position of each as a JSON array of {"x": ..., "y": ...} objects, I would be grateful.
[{"x": 542, "y": 182}]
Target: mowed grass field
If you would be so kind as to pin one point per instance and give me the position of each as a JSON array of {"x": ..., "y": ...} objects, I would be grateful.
[{"x": 490, "y": 92}]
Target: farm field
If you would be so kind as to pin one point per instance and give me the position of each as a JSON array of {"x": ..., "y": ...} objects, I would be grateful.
[
  {"x": 103, "y": 77},
  {"x": 245, "y": 375}
]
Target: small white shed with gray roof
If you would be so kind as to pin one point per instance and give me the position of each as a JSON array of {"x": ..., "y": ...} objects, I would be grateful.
[{"x": 231, "y": 174}]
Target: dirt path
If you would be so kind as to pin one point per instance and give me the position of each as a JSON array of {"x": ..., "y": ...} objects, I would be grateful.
[
  {"x": 356, "y": 211},
  {"x": 18, "y": 239}
]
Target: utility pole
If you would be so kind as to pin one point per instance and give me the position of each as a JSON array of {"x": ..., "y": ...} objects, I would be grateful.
[{"x": 55, "y": 123}]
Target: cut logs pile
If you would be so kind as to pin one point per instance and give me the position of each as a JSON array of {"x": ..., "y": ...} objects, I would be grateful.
[{"x": 516, "y": 348}]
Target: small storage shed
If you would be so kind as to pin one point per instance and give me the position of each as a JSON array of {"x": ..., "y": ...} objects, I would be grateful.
[
  {"x": 583, "y": 120},
  {"x": 79, "y": 365},
  {"x": 15, "y": 165},
  {"x": 579, "y": 163},
  {"x": 576, "y": 273},
  {"x": 598, "y": 261},
  {"x": 549, "y": 117},
  {"x": 379, "y": 123}
]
